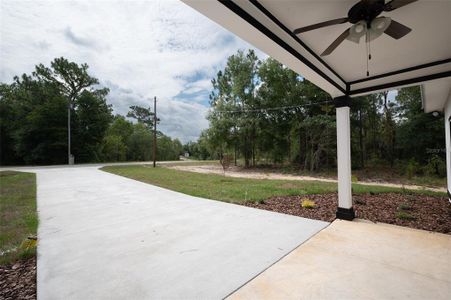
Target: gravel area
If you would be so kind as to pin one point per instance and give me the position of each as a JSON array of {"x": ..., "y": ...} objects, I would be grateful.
[
  {"x": 415, "y": 211},
  {"x": 18, "y": 280}
]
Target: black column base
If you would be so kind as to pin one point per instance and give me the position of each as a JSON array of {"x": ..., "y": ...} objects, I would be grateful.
[{"x": 345, "y": 213}]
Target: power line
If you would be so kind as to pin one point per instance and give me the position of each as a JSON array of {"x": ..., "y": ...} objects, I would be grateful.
[{"x": 273, "y": 108}]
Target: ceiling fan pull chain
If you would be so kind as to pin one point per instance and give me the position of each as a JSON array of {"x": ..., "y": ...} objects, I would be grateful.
[{"x": 367, "y": 48}]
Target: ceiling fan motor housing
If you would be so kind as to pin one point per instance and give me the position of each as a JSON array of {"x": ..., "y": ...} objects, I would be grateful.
[{"x": 366, "y": 10}]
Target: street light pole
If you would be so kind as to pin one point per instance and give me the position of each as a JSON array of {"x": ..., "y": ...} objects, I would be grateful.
[{"x": 154, "y": 131}]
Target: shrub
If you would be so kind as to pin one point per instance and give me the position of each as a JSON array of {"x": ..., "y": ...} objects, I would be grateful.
[
  {"x": 412, "y": 168},
  {"x": 436, "y": 166},
  {"x": 404, "y": 215},
  {"x": 306, "y": 203},
  {"x": 405, "y": 206}
]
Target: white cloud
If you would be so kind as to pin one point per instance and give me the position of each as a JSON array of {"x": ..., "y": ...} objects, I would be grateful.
[
  {"x": 84, "y": 41},
  {"x": 197, "y": 86},
  {"x": 139, "y": 49}
]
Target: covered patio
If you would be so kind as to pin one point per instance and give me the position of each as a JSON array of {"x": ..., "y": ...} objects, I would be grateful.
[{"x": 351, "y": 48}]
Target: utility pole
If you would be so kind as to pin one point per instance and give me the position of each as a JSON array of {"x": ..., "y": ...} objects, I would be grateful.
[
  {"x": 69, "y": 160},
  {"x": 154, "y": 131}
]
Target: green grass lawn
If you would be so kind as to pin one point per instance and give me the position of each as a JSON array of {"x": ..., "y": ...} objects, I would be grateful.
[
  {"x": 238, "y": 190},
  {"x": 18, "y": 216}
]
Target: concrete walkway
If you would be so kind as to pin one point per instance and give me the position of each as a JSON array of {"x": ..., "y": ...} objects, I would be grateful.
[
  {"x": 102, "y": 236},
  {"x": 356, "y": 260}
]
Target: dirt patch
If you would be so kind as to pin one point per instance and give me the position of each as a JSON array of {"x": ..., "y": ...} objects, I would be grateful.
[
  {"x": 18, "y": 280},
  {"x": 415, "y": 211},
  {"x": 238, "y": 172}
]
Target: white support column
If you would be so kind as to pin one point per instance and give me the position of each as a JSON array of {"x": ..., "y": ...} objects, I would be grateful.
[
  {"x": 345, "y": 210},
  {"x": 448, "y": 144}
]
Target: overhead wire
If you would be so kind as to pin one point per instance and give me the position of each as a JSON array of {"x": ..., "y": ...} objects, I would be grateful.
[{"x": 274, "y": 108}]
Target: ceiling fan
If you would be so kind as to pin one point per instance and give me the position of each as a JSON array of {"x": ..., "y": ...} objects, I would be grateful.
[{"x": 364, "y": 17}]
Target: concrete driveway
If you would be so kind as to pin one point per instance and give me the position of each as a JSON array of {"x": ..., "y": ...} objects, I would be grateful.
[{"x": 102, "y": 236}]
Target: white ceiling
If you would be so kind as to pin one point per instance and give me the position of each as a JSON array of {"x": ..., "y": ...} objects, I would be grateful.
[
  {"x": 429, "y": 41},
  {"x": 436, "y": 92}
]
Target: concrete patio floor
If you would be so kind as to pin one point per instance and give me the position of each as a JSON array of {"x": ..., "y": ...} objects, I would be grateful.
[
  {"x": 103, "y": 236},
  {"x": 360, "y": 260}
]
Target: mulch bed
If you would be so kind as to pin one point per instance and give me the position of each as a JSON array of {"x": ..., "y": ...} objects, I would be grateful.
[
  {"x": 18, "y": 280},
  {"x": 415, "y": 211}
]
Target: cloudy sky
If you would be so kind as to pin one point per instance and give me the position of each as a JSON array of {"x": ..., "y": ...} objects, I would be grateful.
[{"x": 139, "y": 49}]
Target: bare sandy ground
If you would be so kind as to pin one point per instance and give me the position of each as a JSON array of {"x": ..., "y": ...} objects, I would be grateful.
[{"x": 255, "y": 174}]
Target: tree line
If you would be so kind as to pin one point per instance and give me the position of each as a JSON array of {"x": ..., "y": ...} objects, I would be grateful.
[
  {"x": 260, "y": 113},
  {"x": 34, "y": 121},
  {"x": 264, "y": 113}
]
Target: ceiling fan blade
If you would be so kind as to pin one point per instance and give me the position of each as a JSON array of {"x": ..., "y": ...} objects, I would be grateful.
[
  {"x": 320, "y": 25},
  {"x": 336, "y": 43},
  {"x": 397, "y": 30},
  {"x": 395, "y": 4}
]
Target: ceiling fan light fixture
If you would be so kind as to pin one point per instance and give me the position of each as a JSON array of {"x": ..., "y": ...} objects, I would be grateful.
[
  {"x": 357, "y": 31},
  {"x": 378, "y": 26},
  {"x": 359, "y": 28}
]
